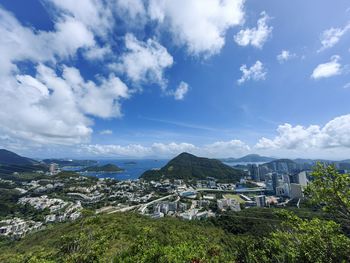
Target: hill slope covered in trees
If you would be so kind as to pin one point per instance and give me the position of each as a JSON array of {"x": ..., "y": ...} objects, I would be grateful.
[{"x": 188, "y": 167}]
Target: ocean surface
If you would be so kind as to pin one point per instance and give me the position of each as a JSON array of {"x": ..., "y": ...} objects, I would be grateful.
[{"x": 133, "y": 169}]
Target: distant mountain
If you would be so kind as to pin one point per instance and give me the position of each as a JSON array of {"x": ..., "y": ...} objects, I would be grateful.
[
  {"x": 282, "y": 165},
  {"x": 187, "y": 166},
  {"x": 105, "y": 168},
  {"x": 65, "y": 162},
  {"x": 11, "y": 158},
  {"x": 250, "y": 158}
]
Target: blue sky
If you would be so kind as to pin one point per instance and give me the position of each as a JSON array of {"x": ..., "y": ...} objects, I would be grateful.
[{"x": 132, "y": 78}]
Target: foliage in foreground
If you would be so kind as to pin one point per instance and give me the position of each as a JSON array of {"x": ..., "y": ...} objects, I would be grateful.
[
  {"x": 330, "y": 189},
  {"x": 128, "y": 237}
]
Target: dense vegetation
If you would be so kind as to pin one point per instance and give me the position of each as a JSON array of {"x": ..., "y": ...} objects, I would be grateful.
[
  {"x": 11, "y": 158},
  {"x": 188, "y": 167},
  {"x": 127, "y": 237},
  {"x": 104, "y": 168}
]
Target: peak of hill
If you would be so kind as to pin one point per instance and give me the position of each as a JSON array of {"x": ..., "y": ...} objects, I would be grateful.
[
  {"x": 11, "y": 158},
  {"x": 188, "y": 166}
]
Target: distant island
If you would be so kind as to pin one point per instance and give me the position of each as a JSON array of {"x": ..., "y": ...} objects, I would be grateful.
[
  {"x": 108, "y": 168},
  {"x": 250, "y": 158},
  {"x": 70, "y": 162},
  {"x": 130, "y": 163},
  {"x": 190, "y": 167}
]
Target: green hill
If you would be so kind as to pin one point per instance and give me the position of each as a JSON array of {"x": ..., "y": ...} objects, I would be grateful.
[
  {"x": 122, "y": 237},
  {"x": 11, "y": 158},
  {"x": 259, "y": 235},
  {"x": 188, "y": 167},
  {"x": 104, "y": 168}
]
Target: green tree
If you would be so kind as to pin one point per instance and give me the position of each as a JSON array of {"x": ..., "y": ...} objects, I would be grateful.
[
  {"x": 331, "y": 190},
  {"x": 299, "y": 240}
]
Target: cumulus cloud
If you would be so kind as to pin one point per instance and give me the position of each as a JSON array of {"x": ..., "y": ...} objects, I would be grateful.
[
  {"x": 216, "y": 149},
  {"x": 332, "y": 36},
  {"x": 200, "y": 25},
  {"x": 55, "y": 109},
  {"x": 181, "y": 91},
  {"x": 133, "y": 10},
  {"x": 335, "y": 134},
  {"x": 329, "y": 69},
  {"x": 97, "y": 53},
  {"x": 56, "y": 103},
  {"x": 255, "y": 72},
  {"x": 285, "y": 55},
  {"x": 255, "y": 36},
  {"x": 94, "y": 14},
  {"x": 144, "y": 61}
]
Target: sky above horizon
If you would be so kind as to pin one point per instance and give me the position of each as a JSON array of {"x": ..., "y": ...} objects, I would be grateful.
[{"x": 154, "y": 78}]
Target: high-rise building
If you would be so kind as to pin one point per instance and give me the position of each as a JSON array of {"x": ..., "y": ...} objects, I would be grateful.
[
  {"x": 285, "y": 178},
  {"x": 302, "y": 179},
  {"x": 260, "y": 200},
  {"x": 53, "y": 168},
  {"x": 283, "y": 190},
  {"x": 296, "y": 191},
  {"x": 275, "y": 181}
]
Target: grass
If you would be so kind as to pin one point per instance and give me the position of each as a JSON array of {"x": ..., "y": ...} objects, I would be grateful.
[{"x": 233, "y": 196}]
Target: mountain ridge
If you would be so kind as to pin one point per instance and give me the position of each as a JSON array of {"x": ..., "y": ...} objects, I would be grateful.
[
  {"x": 188, "y": 166},
  {"x": 10, "y": 158}
]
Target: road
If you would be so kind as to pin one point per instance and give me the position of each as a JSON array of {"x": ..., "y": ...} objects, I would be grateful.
[
  {"x": 141, "y": 207},
  {"x": 246, "y": 190},
  {"x": 144, "y": 206}
]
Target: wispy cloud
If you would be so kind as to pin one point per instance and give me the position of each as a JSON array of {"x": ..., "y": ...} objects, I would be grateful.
[
  {"x": 106, "y": 132},
  {"x": 182, "y": 124},
  {"x": 332, "y": 36}
]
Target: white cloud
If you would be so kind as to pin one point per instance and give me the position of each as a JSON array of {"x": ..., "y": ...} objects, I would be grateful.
[
  {"x": 200, "y": 25},
  {"x": 332, "y": 36},
  {"x": 106, "y": 132},
  {"x": 94, "y": 14},
  {"x": 335, "y": 134},
  {"x": 255, "y": 72},
  {"x": 97, "y": 53},
  {"x": 285, "y": 55},
  {"x": 53, "y": 109},
  {"x": 144, "y": 61},
  {"x": 226, "y": 148},
  {"x": 56, "y": 109},
  {"x": 255, "y": 36},
  {"x": 216, "y": 149},
  {"x": 23, "y": 43},
  {"x": 328, "y": 69},
  {"x": 134, "y": 10},
  {"x": 181, "y": 91}
]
